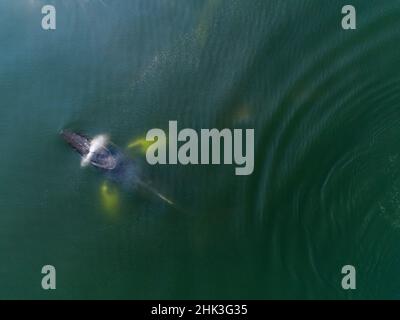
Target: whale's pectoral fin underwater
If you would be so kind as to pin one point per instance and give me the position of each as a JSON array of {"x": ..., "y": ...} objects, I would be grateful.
[{"x": 110, "y": 160}]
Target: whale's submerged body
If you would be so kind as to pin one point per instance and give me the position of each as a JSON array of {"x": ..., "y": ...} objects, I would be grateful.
[{"x": 107, "y": 157}]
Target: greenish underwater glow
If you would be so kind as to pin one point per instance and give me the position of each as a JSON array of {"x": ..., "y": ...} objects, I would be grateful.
[{"x": 325, "y": 190}]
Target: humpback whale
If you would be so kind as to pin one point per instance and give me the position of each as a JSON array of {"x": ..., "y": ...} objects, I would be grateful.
[
  {"x": 109, "y": 160},
  {"x": 105, "y": 156}
]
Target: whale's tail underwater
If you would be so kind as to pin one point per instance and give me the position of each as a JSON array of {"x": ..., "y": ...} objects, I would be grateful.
[{"x": 110, "y": 160}]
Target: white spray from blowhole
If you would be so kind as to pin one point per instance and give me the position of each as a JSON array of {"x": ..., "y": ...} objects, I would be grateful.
[{"x": 96, "y": 144}]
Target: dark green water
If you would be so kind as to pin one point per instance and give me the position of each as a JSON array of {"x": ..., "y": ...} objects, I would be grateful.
[{"x": 325, "y": 105}]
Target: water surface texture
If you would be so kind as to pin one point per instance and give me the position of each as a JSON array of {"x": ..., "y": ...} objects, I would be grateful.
[{"x": 325, "y": 106}]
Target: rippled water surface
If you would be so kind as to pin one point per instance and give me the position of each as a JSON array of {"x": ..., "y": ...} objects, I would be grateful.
[{"x": 325, "y": 105}]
